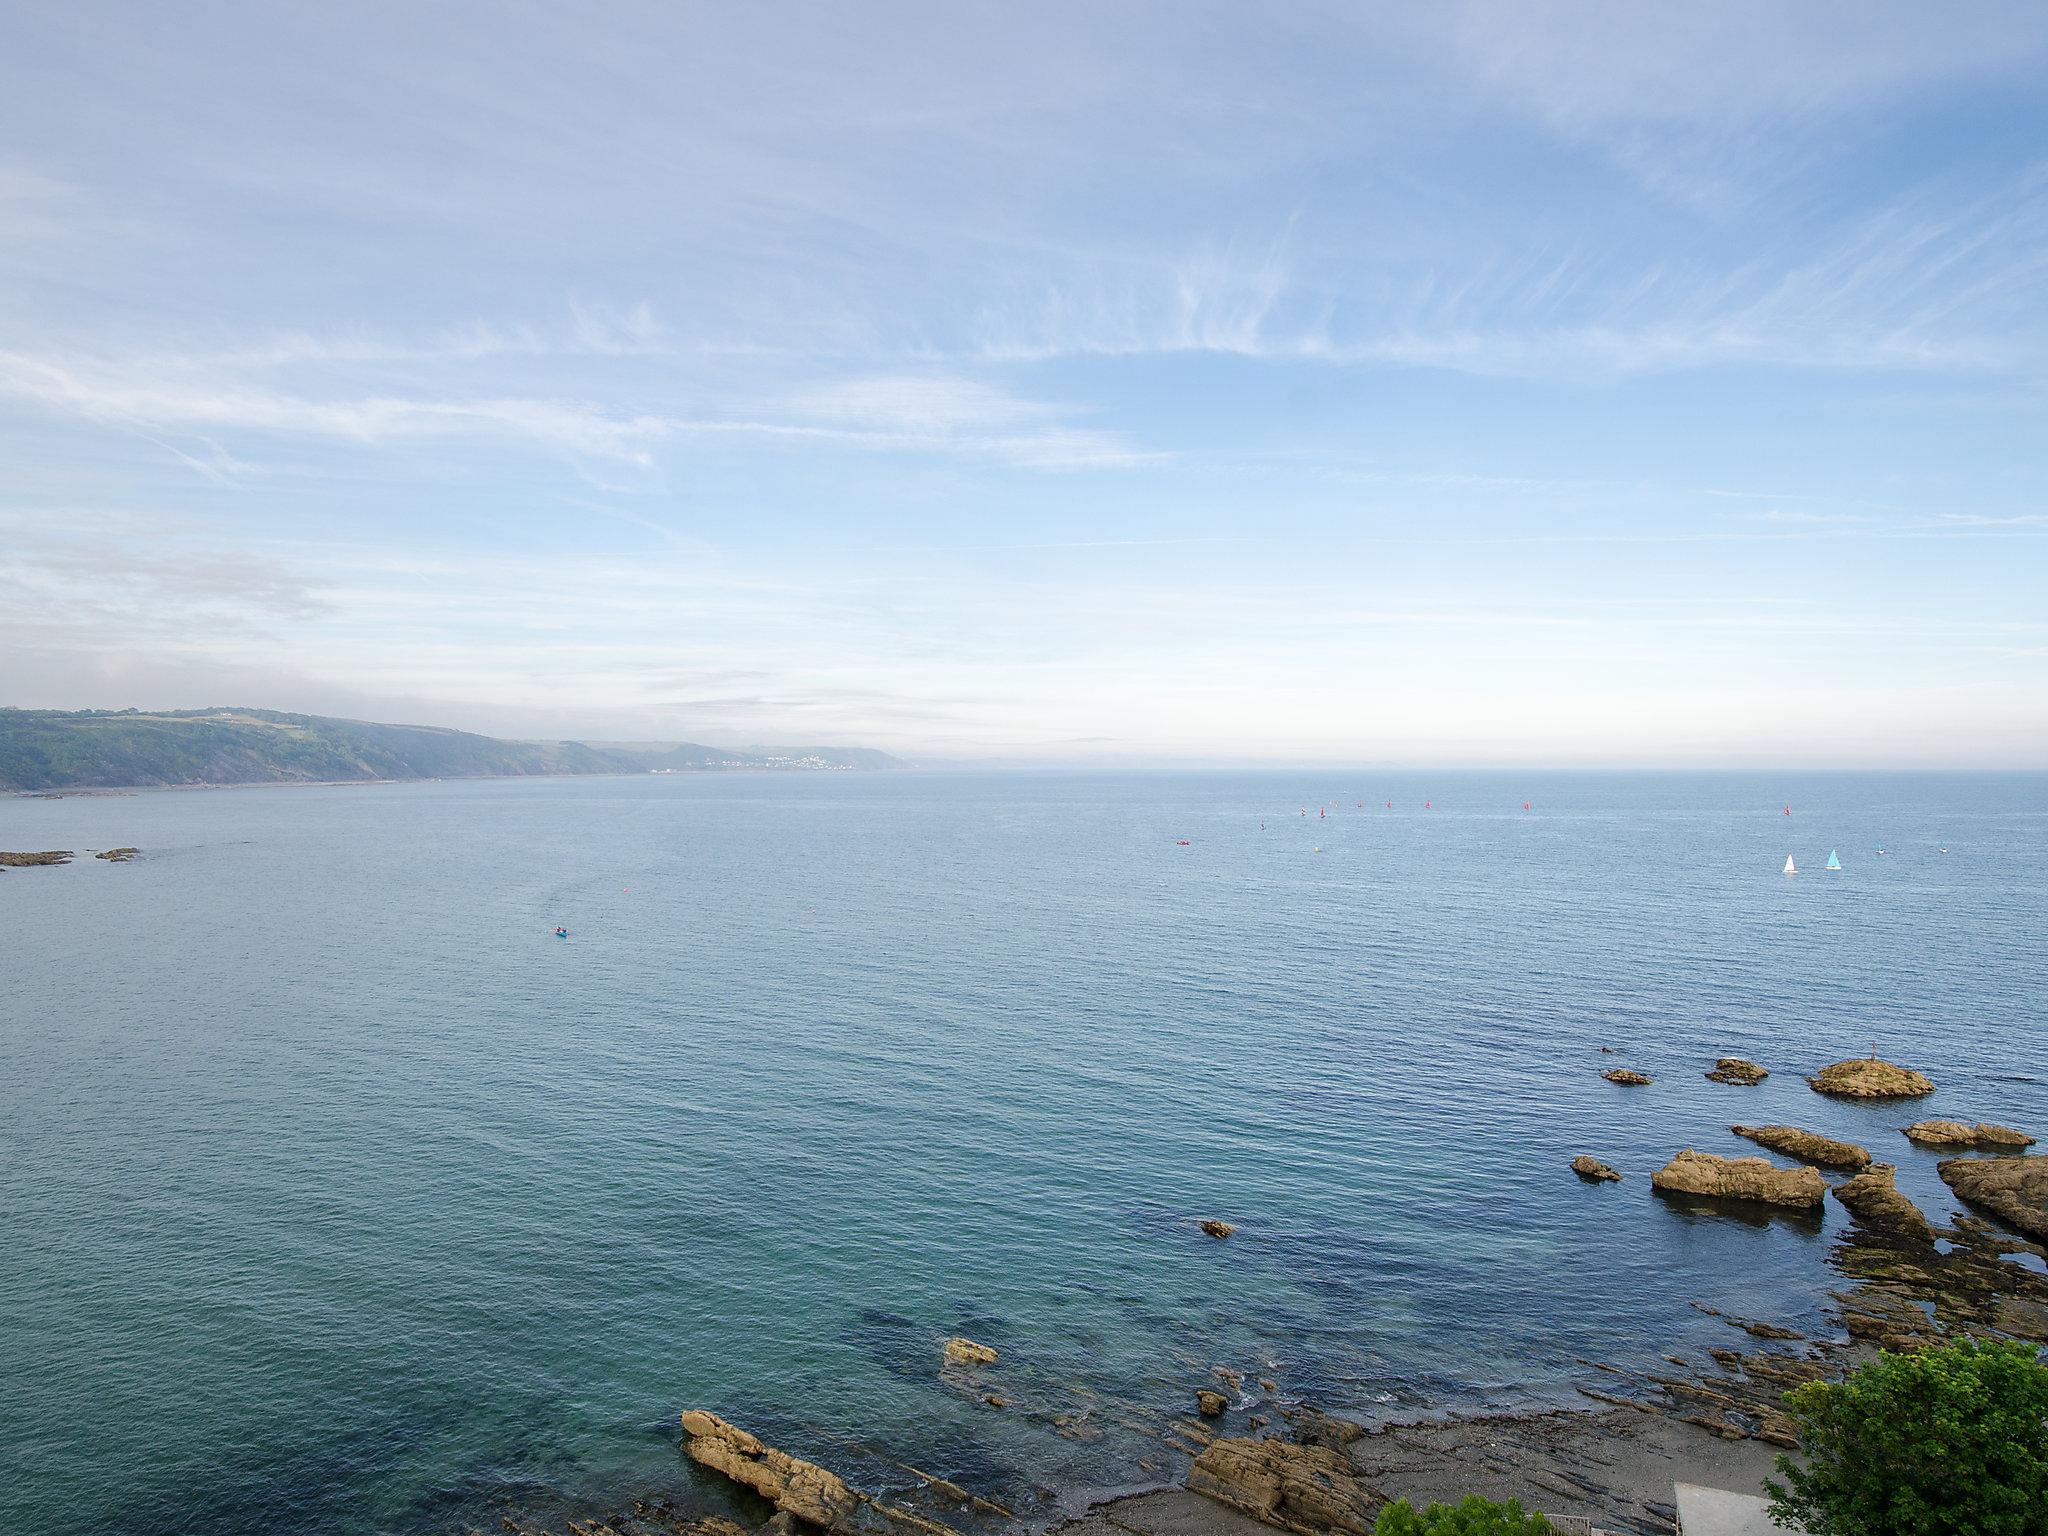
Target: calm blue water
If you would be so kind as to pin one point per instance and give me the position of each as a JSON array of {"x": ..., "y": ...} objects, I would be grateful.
[{"x": 338, "y": 1197}]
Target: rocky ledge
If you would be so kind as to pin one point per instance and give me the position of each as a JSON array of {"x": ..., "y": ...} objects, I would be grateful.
[
  {"x": 1309, "y": 1489},
  {"x": 1593, "y": 1171},
  {"x": 1874, "y": 1201},
  {"x": 117, "y": 855},
  {"x": 1869, "y": 1078},
  {"x": 1733, "y": 1069},
  {"x": 2014, "y": 1189},
  {"x": 800, "y": 1488},
  {"x": 32, "y": 860},
  {"x": 1806, "y": 1146},
  {"x": 1740, "y": 1178},
  {"x": 1979, "y": 1137}
]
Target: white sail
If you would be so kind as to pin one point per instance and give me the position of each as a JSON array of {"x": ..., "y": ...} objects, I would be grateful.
[{"x": 1790, "y": 867}]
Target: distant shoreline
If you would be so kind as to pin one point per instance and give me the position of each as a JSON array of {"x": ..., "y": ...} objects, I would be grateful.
[{"x": 81, "y": 792}]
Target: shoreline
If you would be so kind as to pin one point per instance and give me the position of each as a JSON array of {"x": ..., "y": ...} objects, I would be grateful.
[{"x": 1253, "y": 1466}]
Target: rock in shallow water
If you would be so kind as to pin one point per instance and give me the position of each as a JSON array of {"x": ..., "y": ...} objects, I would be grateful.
[
  {"x": 799, "y": 1488},
  {"x": 1869, "y": 1078},
  {"x": 1594, "y": 1171},
  {"x": 1875, "y": 1202},
  {"x": 1626, "y": 1078},
  {"x": 1740, "y": 1178},
  {"x": 961, "y": 1351},
  {"x": 1806, "y": 1146},
  {"x": 1217, "y": 1228},
  {"x": 1954, "y": 1133},
  {"x": 1733, "y": 1069},
  {"x": 1210, "y": 1405},
  {"x": 2014, "y": 1189}
]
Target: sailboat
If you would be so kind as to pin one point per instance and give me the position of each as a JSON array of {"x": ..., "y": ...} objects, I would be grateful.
[
  {"x": 1790, "y": 867},
  {"x": 1834, "y": 862}
]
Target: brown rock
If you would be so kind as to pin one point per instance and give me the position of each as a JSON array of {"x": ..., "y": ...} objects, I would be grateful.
[
  {"x": 32, "y": 860},
  {"x": 1217, "y": 1228},
  {"x": 118, "y": 855},
  {"x": 1806, "y": 1146},
  {"x": 1593, "y": 1171},
  {"x": 2014, "y": 1189},
  {"x": 1210, "y": 1405},
  {"x": 1875, "y": 1202},
  {"x": 1868, "y": 1078},
  {"x": 1954, "y": 1133},
  {"x": 1733, "y": 1069},
  {"x": 1740, "y": 1178},
  {"x": 996, "y": 1402},
  {"x": 800, "y": 1488},
  {"x": 961, "y": 1351},
  {"x": 1625, "y": 1077},
  {"x": 1308, "y": 1489}
]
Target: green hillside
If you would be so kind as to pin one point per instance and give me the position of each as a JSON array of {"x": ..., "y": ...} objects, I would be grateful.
[{"x": 106, "y": 749}]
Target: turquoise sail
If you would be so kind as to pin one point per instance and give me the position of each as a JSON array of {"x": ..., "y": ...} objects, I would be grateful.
[{"x": 1833, "y": 862}]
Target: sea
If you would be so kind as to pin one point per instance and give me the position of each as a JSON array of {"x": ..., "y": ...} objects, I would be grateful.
[{"x": 338, "y": 1195}]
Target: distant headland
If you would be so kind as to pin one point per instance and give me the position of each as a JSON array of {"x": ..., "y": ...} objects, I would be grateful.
[{"x": 54, "y": 749}]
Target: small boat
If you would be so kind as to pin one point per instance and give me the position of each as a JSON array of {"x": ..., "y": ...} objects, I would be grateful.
[
  {"x": 1182, "y": 842},
  {"x": 561, "y": 933},
  {"x": 1788, "y": 810},
  {"x": 1834, "y": 861},
  {"x": 1790, "y": 867},
  {"x": 1525, "y": 805}
]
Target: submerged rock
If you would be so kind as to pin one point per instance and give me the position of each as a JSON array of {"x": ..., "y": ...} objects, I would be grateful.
[
  {"x": 32, "y": 860},
  {"x": 1733, "y": 1069},
  {"x": 1217, "y": 1228},
  {"x": 1625, "y": 1077},
  {"x": 1308, "y": 1489},
  {"x": 117, "y": 855},
  {"x": 1210, "y": 1405},
  {"x": 1740, "y": 1178},
  {"x": 1593, "y": 1170},
  {"x": 2014, "y": 1189},
  {"x": 1869, "y": 1078},
  {"x": 1875, "y": 1202},
  {"x": 961, "y": 1351},
  {"x": 1806, "y": 1146},
  {"x": 797, "y": 1487},
  {"x": 1954, "y": 1133}
]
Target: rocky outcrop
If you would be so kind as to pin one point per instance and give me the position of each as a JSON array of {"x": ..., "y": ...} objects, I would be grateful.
[
  {"x": 31, "y": 860},
  {"x": 117, "y": 855},
  {"x": 1733, "y": 1069},
  {"x": 1868, "y": 1078},
  {"x": 961, "y": 1351},
  {"x": 1875, "y": 1202},
  {"x": 1308, "y": 1489},
  {"x": 1210, "y": 1405},
  {"x": 1625, "y": 1077},
  {"x": 1978, "y": 1137},
  {"x": 1217, "y": 1228},
  {"x": 2014, "y": 1189},
  {"x": 1806, "y": 1146},
  {"x": 1740, "y": 1178},
  {"x": 799, "y": 1488},
  {"x": 1593, "y": 1171}
]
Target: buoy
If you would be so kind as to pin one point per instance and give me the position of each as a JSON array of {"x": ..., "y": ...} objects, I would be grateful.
[
  {"x": 1425, "y": 805},
  {"x": 1525, "y": 805},
  {"x": 1788, "y": 810}
]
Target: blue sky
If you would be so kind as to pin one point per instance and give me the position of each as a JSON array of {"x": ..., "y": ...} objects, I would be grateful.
[{"x": 1449, "y": 383}]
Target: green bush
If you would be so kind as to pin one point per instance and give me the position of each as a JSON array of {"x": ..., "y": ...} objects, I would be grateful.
[
  {"x": 1948, "y": 1442},
  {"x": 1473, "y": 1516}
]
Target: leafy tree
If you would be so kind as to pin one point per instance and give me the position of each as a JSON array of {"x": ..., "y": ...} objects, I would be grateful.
[
  {"x": 1472, "y": 1516},
  {"x": 1946, "y": 1442}
]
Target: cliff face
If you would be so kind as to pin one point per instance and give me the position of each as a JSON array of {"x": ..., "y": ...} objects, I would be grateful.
[{"x": 97, "y": 749}]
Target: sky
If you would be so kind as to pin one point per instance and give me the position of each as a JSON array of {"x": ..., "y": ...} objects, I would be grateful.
[{"x": 1106, "y": 383}]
